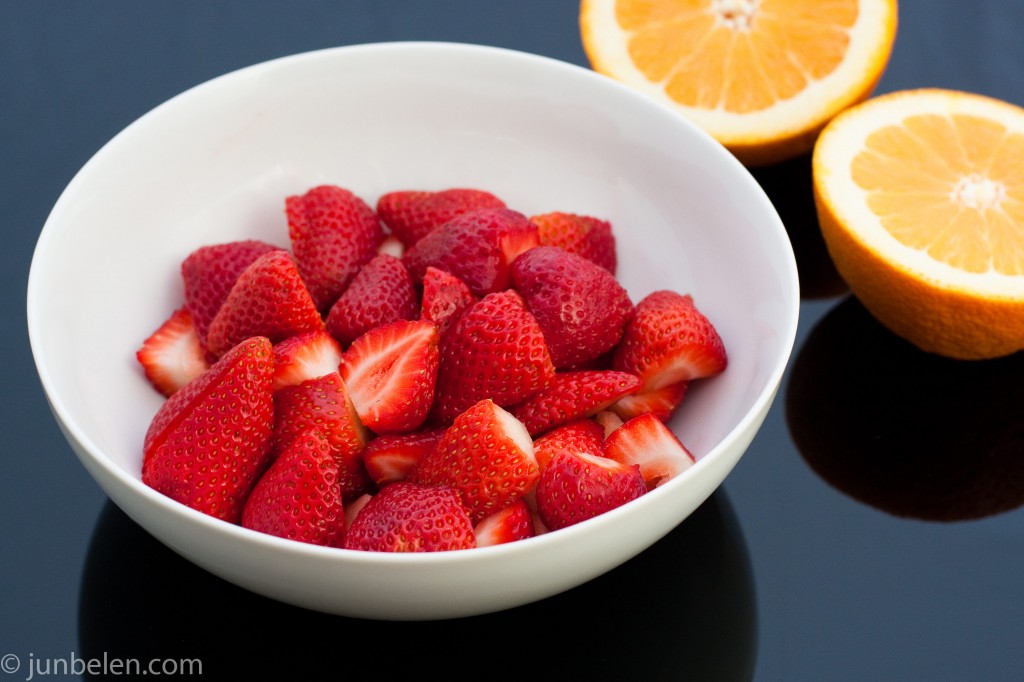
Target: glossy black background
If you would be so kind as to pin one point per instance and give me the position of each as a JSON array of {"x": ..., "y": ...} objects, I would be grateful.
[{"x": 870, "y": 532}]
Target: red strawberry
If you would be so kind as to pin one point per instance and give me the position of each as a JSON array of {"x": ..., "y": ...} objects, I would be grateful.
[
  {"x": 393, "y": 457},
  {"x": 495, "y": 350},
  {"x": 570, "y": 395},
  {"x": 583, "y": 235},
  {"x": 477, "y": 247},
  {"x": 305, "y": 356},
  {"x": 391, "y": 372},
  {"x": 445, "y": 297},
  {"x": 575, "y": 487},
  {"x": 380, "y": 293},
  {"x": 299, "y": 497},
  {"x": 269, "y": 299},
  {"x": 669, "y": 340},
  {"x": 405, "y": 517},
  {"x": 172, "y": 356},
  {"x": 580, "y": 306},
  {"x": 648, "y": 443},
  {"x": 512, "y": 523},
  {"x": 210, "y": 441},
  {"x": 412, "y": 214},
  {"x": 486, "y": 455},
  {"x": 661, "y": 402},
  {"x": 324, "y": 403},
  {"x": 580, "y": 435},
  {"x": 208, "y": 274},
  {"x": 333, "y": 233}
]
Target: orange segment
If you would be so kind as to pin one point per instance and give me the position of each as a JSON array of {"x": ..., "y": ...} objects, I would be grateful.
[
  {"x": 761, "y": 76},
  {"x": 920, "y": 195}
]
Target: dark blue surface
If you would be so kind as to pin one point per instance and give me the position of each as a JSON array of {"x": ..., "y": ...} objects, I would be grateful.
[{"x": 812, "y": 562}]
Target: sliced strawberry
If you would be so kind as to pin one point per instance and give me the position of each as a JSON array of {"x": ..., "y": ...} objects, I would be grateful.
[
  {"x": 661, "y": 402},
  {"x": 324, "y": 404},
  {"x": 581, "y": 307},
  {"x": 393, "y": 457},
  {"x": 648, "y": 443},
  {"x": 477, "y": 247},
  {"x": 512, "y": 523},
  {"x": 575, "y": 487},
  {"x": 486, "y": 455},
  {"x": 381, "y": 292},
  {"x": 333, "y": 233},
  {"x": 353, "y": 508},
  {"x": 583, "y": 235},
  {"x": 209, "y": 442},
  {"x": 495, "y": 350},
  {"x": 571, "y": 395},
  {"x": 405, "y": 517},
  {"x": 305, "y": 356},
  {"x": 412, "y": 214},
  {"x": 669, "y": 340},
  {"x": 299, "y": 497},
  {"x": 391, "y": 373},
  {"x": 609, "y": 421},
  {"x": 269, "y": 299},
  {"x": 209, "y": 272},
  {"x": 172, "y": 356},
  {"x": 580, "y": 435},
  {"x": 445, "y": 297}
]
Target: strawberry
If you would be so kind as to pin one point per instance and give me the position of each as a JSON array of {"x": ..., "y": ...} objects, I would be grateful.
[
  {"x": 208, "y": 274},
  {"x": 486, "y": 455},
  {"x": 172, "y": 355},
  {"x": 581, "y": 307},
  {"x": 391, "y": 372},
  {"x": 299, "y": 497},
  {"x": 579, "y": 435},
  {"x": 578, "y": 486},
  {"x": 495, "y": 350},
  {"x": 381, "y": 292},
  {"x": 583, "y": 235},
  {"x": 646, "y": 441},
  {"x": 324, "y": 404},
  {"x": 210, "y": 441},
  {"x": 477, "y": 247},
  {"x": 608, "y": 421},
  {"x": 305, "y": 356},
  {"x": 333, "y": 233},
  {"x": 412, "y": 214},
  {"x": 512, "y": 523},
  {"x": 669, "y": 340},
  {"x": 573, "y": 394},
  {"x": 662, "y": 402},
  {"x": 445, "y": 297},
  {"x": 405, "y": 517},
  {"x": 393, "y": 457},
  {"x": 269, "y": 299}
]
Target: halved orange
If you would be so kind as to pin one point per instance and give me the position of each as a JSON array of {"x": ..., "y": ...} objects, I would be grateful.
[
  {"x": 760, "y": 76},
  {"x": 920, "y": 197}
]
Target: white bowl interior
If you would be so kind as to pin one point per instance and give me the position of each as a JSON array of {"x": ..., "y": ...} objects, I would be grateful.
[{"x": 215, "y": 164}]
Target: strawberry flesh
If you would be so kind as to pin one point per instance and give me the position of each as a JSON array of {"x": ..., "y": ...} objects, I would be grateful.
[
  {"x": 305, "y": 356},
  {"x": 172, "y": 356},
  {"x": 646, "y": 442},
  {"x": 512, "y": 523}
]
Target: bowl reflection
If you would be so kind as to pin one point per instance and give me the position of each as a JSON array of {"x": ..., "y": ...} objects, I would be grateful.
[
  {"x": 685, "y": 606},
  {"x": 911, "y": 433}
]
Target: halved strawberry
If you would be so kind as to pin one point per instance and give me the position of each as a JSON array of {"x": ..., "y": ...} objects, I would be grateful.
[
  {"x": 445, "y": 297},
  {"x": 648, "y": 443},
  {"x": 299, "y": 497},
  {"x": 391, "y": 373},
  {"x": 209, "y": 442},
  {"x": 486, "y": 455},
  {"x": 305, "y": 356},
  {"x": 269, "y": 299},
  {"x": 393, "y": 457},
  {"x": 578, "y": 486},
  {"x": 579, "y": 435},
  {"x": 512, "y": 523},
  {"x": 571, "y": 395},
  {"x": 333, "y": 233},
  {"x": 583, "y": 235},
  {"x": 405, "y": 517},
  {"x": 172, "y": 356},
  {"x": 661, "y": 402},
  {"x": 669, "y": 340},
  {"x": 412, "y": 214},
  {"x": 609, "y": 421},
  {"x": 380, "y": 293}
]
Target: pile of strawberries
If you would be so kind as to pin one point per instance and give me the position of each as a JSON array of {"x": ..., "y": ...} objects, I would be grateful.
[{"x": 436, "y": 372}]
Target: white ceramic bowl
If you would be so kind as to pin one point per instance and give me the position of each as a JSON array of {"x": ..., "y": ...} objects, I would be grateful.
[{"x": 215, "y": 163}]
